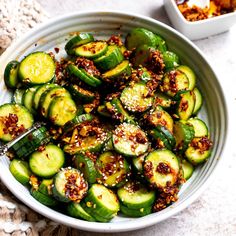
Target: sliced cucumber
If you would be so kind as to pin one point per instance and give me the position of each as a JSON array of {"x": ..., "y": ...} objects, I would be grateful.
[
  {"x": 38, "y": 93},
  {"x": 27, "y": 99},
  {"x": 61, "y": 110},
  {"x": 44, "y": 199},
  {"x": 78, "y": 40},
  {"x": 188, "y": 169},
  {"x": 136, "y": 98},
  {"x": 160, "y": 117},
  {"x": 142, "y": 211},
  {"x": 111, "y": 59},
  {"x": 76, "y": 210},
  {"x": 173, "y": 82},
  {"x": 121, "y": 70},
  {"x": 45, "y": 187},
  {"x": 198, "y": 100},
  {"x": 47, "y": 163},
  {"x": 37, "y": 68},
  {"x": 69, "y": 185},
  {"x": 161, "y": 168},
  {"x": 200, "y": 128},
  {"x": 20, "y": 170},
  {"x": 199, "y": 150},
  {"x": 31, "y": 142},
  {"x": 101, "y": 203},
  {"x": 134, "y": 195},
  {"x": 184, "y": 134},
  {"x": 81, "y": 94},
  {"x": 130, "y": 140},
  {"x": 47, "y": 97},
  {"x": 171, "y": 60},
  {"x": 14, "y": 119},
  {"x": 190, "y": 74},
  {"x": 140, "y": 36},
  {"x": 162, "y": 100},
  {"x": 137, "y": 163},
  {"x": 113, "y": 168},
  {"x": 117, "y": 110},
  {"x": 92, "y": 49},
  {"x": 170, "y": 137},
  {"x": 11, "y": 74},
  {"x": 185, "y": 105},
  {"x": 160, "y": 138},
  {"x": 160, "y": 43},
  {"x": 17, "y": 96},
  {"x": 87, "y": 166},
  {"x": 82, "y": 75}
]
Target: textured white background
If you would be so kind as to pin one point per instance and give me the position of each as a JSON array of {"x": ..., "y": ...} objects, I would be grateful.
[{"x": 214, "y": 213}]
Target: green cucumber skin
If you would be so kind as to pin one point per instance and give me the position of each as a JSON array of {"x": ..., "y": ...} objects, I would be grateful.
[
  {"x": 17, "y": 96},
  {"x": 171, "y": 60},
  {"x": 188, "y": 169},
  {"x": 46, "y": 186},
  {"x": 143, "y": 211},
  {"x": 11, "y": 74},
  {"x": 198, "y": 100},
  {"x": 27, "y": 99},
  {"x": 80, "y": 94},
  {"x": 158, "y": 135},
  {"x": 44, "y": 199},
  {"x": 190, "y": 74}
]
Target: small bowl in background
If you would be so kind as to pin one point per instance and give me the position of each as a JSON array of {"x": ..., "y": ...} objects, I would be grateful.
[{"x": 198, "y": 29}]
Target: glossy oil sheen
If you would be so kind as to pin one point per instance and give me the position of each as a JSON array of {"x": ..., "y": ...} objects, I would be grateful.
[{"x": 54, "y": 34}]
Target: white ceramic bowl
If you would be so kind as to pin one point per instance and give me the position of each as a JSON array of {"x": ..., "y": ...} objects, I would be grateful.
[
  {"x": 54, "y": 34},
  {"x": 198, "y": 29}
]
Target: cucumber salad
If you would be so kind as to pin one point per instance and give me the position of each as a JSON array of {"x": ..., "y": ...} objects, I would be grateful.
[{"x": 119, "y": 128}]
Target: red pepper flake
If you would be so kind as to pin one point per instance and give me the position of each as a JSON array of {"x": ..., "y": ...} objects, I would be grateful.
[{"x": 57, "y": 50}]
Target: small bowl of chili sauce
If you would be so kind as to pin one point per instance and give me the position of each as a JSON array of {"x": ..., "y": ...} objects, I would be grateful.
[{"x": 196, "y": 23}]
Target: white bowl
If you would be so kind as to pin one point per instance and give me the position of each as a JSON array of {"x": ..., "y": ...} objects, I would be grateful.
[
  {"x": 103, "y": 24},
  {"x": 198, "y": 29}
]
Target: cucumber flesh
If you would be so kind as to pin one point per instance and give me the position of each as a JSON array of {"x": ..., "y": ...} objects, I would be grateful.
[
  {"x": 17, "y": 96},
  {"x": 48, "y": 162},
  {"x": 200, "y": 128},
  {"x": 198, "y": 100},
  {"x": 188, "y": 169},
  {"x": 11, "y": 74},
  {"x": 45, "y": 187},
  {"x": 190, "y": 74},
  {"x": 27, "y": 99}
]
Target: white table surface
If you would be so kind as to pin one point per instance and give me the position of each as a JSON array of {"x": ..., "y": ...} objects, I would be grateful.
[{"x": 214, "y": 213}]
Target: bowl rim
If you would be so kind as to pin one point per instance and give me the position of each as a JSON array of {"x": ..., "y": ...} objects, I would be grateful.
[
  {"x": 199, "y": 22},
  {"x": 139, "y": 222}
]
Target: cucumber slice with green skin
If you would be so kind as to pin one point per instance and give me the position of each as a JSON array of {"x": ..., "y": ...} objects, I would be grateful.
[
  {"x": 47, "y": 97},
  {"x": 199, "y": 150},
  {"x": 111, "y": 59},
  {"x": 31, "y": 142},
  {"x": 87, "y": 167},
  {"x": 185, "y": 105},
  {"x": 37, "y": 68},
  {"x": 144, "y": 74},
  {"x": 61, "y": 110},
  {"x": 83, "y": 76},
  {"x": 161, "y": 43},
  {"x": 47, "y": 163},
  {"x": 102, "y": 110},
  {"x": 161, "y": 140},
  {"x": 39, "y": 92},
  {"x": 171, "y": 60},
  {"x": 20, "y": 170},
  {"x": 137, "y": 163},
  {"x": 173, "y": 82},
  {"x": 14, "y": 119},
  {"x": 142, "y": 211},
  {"x": 162, "y": 100},
  {"x": 188, "y": 169},
  {"x": 76, "y": 210},
  {"x": 134, "y": 195},
  {"x": 160, "y": 117},
  {"x": 45, "y": 187},
  {"x": 113, "y": 168},
  {"x": 76, "y": 121},
  {"x": 121, "y": 70},
  {"x": 115, "y": 107},
  {"x": 184, "y": 133},
  {"x": 44, "y": 199},
  {"x": 17, "y": 96},
  {"x": 92, "y": 50},
  {"x": 140, "y": 36},
  {"x": 169, "y": 136},
  {"x": 198, "y": 100},
  {"x": 81, "y": 94},
  {"x": 129, "y": 140},
  {"x": 135, "y": 98},
  {"x": 69, "y": 185},
  {"x": 27, "y": 99},
  {"x": 200, "y": 128},
  {"x": 11, "y": 74},
  {"x": 190, "y": 74},
  {"x": 108, "y": 146},
  {"x": 161, "y": 168},
  {"x": 101, "y": 203},
  {"x": 78, "y": 40}
]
